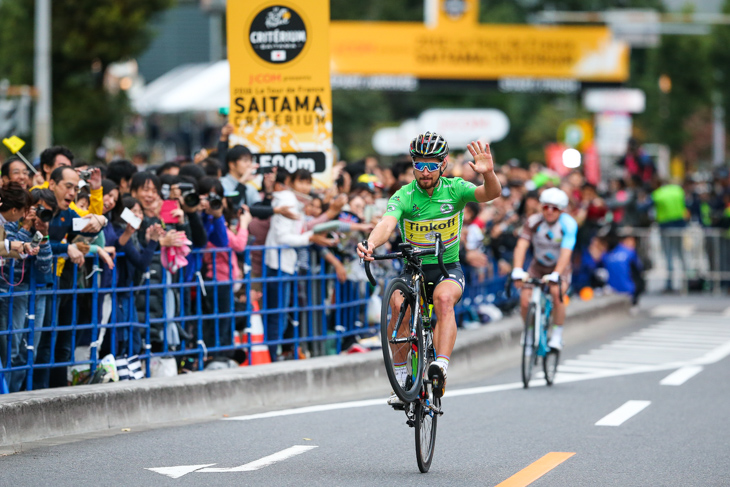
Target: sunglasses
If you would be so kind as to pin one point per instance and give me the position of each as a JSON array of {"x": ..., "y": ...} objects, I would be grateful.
[
  {"x": 431, "y": 166},
  {"x": 550, "y": 207}
]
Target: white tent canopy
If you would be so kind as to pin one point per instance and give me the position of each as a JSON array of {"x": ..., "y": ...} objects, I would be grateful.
[{"x": 187, "y": 88}]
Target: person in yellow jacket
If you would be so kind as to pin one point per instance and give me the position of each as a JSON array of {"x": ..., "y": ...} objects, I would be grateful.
[{"x": 58, "y": 156}]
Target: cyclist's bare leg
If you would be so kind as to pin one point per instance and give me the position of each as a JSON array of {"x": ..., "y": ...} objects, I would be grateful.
[
  {"x": 400, "y": 352},
  {"x": 525, "y": 296},
  {"x": 445, "y": 297},
  {"x": 558, "y": 315}
]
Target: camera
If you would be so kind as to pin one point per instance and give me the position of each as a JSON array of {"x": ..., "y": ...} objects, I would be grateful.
[
  {"x": 85, "y": 175},
  {"x": 44, "y": 214},
  {"x": 265, "y": 169},
  {"x": 214, "y": 201},
  {"x": 188, "y": 192}
]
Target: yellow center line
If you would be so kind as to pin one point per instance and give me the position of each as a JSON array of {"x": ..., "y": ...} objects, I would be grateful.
[{"x": 529, "y": 474}]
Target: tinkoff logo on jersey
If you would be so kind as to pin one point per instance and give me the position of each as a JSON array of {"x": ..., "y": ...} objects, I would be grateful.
[{"x": 423, "y": 233}]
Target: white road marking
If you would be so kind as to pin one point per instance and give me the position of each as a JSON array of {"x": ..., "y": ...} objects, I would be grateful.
[
  {"x": 597, "y": 364},
  {"x": 603, "y": 363},
  {"x": 623, "y": 413},
  {"x": 680, "y": 376},
  {"x": 264, "y": 462},
  {"x": 179, "y": 471},
  {"x": 310, "y": 409},
  {"x": 672, "y": 310}
]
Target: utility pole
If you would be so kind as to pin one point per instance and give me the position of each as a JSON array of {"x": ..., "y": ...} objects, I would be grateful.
[{"x": 42, "y": 76}]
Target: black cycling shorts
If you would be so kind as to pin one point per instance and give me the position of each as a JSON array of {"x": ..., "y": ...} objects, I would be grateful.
[{"x": 432, "y": 274}]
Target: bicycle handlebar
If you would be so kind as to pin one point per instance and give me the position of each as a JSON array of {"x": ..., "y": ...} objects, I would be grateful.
[
  {"x": 406, "y": 253},
  {"x": 534, "y": 282}
]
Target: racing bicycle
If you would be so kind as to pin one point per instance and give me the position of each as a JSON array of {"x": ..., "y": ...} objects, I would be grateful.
[
  {"x": 406, "y": 332},
  {"x": 534, "y": 337}
]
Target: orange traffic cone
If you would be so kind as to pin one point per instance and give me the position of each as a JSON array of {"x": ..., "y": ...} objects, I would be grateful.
[{"x": 258, "y": 354}]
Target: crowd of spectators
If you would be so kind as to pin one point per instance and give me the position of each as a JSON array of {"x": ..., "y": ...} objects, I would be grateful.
[{"x": 118, "y": 224}]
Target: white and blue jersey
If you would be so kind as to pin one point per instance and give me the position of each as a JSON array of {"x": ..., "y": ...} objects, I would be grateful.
[{"x": 548, "y": 239}]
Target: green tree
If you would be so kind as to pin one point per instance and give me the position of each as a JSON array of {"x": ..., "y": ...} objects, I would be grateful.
[{"x": 87, "y": 36}]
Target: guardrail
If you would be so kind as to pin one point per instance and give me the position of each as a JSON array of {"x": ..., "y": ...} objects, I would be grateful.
[
  {"x": 63, "y": 331},
  {"x": 689, "y": 258}
]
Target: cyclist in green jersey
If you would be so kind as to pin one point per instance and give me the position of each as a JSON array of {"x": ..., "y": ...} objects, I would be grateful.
[{"x": 433, "y": 204}]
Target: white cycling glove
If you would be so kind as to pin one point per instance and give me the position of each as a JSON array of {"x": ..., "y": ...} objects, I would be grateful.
[
  {"x": 518, "y": 274},
  {"x": 552, "y": 277}
]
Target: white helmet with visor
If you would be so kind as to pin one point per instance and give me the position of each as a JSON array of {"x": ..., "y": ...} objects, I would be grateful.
[{"x": 555, "y": 197}]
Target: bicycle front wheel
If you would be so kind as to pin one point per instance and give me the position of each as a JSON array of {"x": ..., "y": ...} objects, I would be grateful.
[
  {"x": 529, "y": 347},
  {"x": 402, "y": 350},
  {"x": 426, "y": 421}
]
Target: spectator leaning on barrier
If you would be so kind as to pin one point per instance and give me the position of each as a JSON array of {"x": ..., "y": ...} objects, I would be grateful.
[
  {"x": 218, "y": 297},
  {"x": 285, "y": 232},
  {"x": 39, "y": 217},
  {"x": 136, "y": 258},
  {"x": 16, "y": 201},
  {"x": 145, "y": 188},
  {"x": 64, "y": 182}
]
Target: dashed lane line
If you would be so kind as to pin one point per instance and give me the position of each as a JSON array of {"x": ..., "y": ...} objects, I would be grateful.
[
  {"x": 680, "y": 376},
  {"x": 627, "y": 411}
]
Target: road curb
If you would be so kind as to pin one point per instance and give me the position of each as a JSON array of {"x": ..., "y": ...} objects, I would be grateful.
[{"x": 36, "y": 415}]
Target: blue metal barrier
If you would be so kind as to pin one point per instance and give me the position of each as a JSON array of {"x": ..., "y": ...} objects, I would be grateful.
[{"x": 199, "y": 312}]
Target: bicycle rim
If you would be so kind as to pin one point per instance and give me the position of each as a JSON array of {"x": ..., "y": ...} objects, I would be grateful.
[
  {"x": 426, "y": 421},
  {"x": 528, "y": 351},
  {"x": 550, "y": 366},
  {"x": 405, "y": 351}
]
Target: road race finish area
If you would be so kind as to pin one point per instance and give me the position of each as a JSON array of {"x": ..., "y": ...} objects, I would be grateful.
[{"x": 618, "y": 406}]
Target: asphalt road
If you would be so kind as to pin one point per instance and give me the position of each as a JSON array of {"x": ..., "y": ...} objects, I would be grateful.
[{"x": 649, "y": 433}]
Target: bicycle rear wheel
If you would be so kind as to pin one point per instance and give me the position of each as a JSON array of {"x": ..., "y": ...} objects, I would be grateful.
[
  {"x": 426, "y": 421},
  {"x": 529, "y": 347},
  {"x": 402, "y": 352},
  {"x": 550, "y": 365}
]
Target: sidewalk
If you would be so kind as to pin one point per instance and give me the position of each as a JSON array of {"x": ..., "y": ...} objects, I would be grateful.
[{"x": 49, "y": 413}]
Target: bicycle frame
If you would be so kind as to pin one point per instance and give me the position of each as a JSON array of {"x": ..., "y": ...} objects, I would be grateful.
[{"x": 543, "y": 308}]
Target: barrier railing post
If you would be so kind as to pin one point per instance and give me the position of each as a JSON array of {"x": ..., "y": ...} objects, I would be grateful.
[
  {"x": 281, "y": 303},
  {"x": 148, "y": 325},
  {"x": 31, "y": 347},
  {"x": 326, "y": 310},
  {"x": 202, "y": 351}
]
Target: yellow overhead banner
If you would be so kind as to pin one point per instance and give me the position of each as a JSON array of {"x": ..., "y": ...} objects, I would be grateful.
[
  {"x": 455, "y": 46},
  {"x": 281, "y": 103}
]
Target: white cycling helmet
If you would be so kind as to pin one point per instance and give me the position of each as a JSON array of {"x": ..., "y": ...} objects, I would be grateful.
[{"x": 555, "y": 197}]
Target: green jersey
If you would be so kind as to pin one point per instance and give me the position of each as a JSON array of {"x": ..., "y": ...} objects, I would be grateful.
[{"x": 421, "y": 216}]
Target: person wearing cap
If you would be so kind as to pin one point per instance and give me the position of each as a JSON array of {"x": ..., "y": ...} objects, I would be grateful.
[{"x": 552, "y": 234}]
